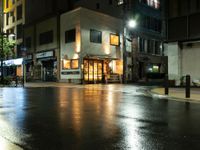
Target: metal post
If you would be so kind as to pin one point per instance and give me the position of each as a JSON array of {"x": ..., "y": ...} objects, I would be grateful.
[
  {"x": 2, "y": 59},
  {"x": 124, "y": 55},
  {"x": 187, "y": 87},
  {"x": 16, "y": 81},
  {"x": 2, "y": 36},
  {"x": 166, "y": 84},
  {"x": 24, "y": 75},
  {"x": 124, "y": 44}
]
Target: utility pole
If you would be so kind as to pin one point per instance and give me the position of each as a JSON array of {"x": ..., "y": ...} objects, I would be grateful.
[
  {"x": 2, "y": 40},
  {"x": 123, "y": 3}
]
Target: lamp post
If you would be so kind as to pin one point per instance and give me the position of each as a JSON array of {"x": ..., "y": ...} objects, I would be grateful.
[{"x": 130, "y": 23}]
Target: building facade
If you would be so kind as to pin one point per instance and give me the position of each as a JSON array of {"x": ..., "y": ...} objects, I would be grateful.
[
  {"x": 90, "y": 47},
  {"x": 13, "y": 21},
  {"x": 144, "y": 44},
  {"x": 46, "y": 24},
  {"x": 79, "y": 50},
  {"x": 146, "y": 59},
  {"x": 182, "y": 46}
]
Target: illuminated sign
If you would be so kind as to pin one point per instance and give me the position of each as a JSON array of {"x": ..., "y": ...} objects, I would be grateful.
[
  {"x": 44, "y": 54},
  {"x": 12, "y": 62}
]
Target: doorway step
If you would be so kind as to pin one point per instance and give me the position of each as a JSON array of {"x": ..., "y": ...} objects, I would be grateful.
[{"x": 114, "y": 78}]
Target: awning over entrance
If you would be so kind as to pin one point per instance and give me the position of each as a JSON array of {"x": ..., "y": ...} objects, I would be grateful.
[
  {"x": 13, "y": 62},
  {"x": 100, "y": 57}
]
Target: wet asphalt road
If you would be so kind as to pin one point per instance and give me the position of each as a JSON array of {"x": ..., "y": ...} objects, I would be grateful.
[{"x": 100, "y": 117}]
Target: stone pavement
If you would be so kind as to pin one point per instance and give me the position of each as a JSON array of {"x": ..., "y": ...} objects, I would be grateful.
[
  {"x": 179, "y": 93},
  {"x": 48, "y": 84}
]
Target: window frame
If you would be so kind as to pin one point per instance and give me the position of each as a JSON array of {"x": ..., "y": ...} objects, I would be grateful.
[
  {"x": 68, "y": 40},
  {"x": 49, "y": 41},
  {"x": 71, "y": 61},
  {"x": 114, "y": 34},
  {"x": 97, "y": 40}
]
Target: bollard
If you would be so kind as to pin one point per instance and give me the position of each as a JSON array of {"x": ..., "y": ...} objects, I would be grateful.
[
  {"x": 166, "y": 85},
  {"x": 187, "y": 87},
  {"x": 16, "y": 81}
]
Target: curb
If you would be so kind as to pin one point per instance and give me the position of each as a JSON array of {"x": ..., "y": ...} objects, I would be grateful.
[{"x": 161, "y": 96}]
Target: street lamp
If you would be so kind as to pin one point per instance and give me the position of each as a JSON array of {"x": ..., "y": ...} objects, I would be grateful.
[{"x": 131, "y": 24}]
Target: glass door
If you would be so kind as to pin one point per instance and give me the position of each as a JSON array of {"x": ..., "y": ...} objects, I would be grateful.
[
  {"x": 100, "y": 71},
  {"x": 86, "y": 70},
  {"x": 93, "y": 71}
]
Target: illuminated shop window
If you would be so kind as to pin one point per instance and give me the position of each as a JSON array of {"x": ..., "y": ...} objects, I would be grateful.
[
  {"x": 70, "y": 64},
  {"x": 66, "y": 64},
  {"x": 74, "y": 64},
  {"x": 114, "y": 40}
]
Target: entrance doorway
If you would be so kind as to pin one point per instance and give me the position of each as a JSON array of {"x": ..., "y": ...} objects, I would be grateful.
[
  {"x": 93, "y": 71},
  {"x": 48, "y": 74}
]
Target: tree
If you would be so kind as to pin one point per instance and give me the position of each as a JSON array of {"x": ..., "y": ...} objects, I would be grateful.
[
  {"x": 6, "y": 47},
  {"x": 6, "y": 50}
]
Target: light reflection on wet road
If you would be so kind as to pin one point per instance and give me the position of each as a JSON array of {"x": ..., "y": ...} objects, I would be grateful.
[{"x": 95, "y": 117}]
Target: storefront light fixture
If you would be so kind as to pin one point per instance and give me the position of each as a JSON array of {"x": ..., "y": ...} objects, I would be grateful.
[{"x": 76, "y": 56}]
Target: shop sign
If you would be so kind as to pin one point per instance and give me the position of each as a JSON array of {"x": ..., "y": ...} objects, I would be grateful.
[
  {"x": 29, "y": 57},
  {"x": 70, "y": 73},
  {"x": 44, "y": 54}
]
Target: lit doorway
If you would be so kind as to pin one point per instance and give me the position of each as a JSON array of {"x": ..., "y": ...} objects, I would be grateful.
[{"x": 93, "y": 71}]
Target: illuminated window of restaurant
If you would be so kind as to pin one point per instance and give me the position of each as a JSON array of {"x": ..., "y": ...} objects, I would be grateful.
[
  {"x": 70, "y": 64},
  {"x": 74, "y": 64},
  {"x": 114, "y": 39},
  {"x": 66, "y": 64}
]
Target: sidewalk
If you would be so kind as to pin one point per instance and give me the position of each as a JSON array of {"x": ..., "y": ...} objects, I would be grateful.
[
  {"x": 179, "y": 93},
  {"x": 49, "y": 84}
]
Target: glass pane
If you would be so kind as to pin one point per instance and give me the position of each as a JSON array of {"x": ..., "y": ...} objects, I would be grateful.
[
  {"x": 91, "y": 71},
  {"x": 75, "y": 64},
  {"x": 66, "y": 64},
  {"x": 86, "y": 70},
  {"x": 95, "y": 71},
  {"x": 99, "y": 71}
]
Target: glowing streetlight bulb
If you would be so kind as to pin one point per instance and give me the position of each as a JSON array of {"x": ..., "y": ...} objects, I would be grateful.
[{"x": 132, "y": 24}]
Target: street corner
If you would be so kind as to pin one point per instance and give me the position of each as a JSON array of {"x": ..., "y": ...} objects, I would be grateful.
[
  {"x": 157, "y": 92},
  {"x": 177, "y": 94}
]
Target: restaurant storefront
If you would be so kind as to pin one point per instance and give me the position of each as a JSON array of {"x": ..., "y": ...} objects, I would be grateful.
[{"x": 101, "y": 70}]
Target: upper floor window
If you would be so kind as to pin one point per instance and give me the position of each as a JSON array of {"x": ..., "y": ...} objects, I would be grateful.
[
  {"x": 114, "y": 39},
  {"x": 95, "y": 36},
  {"x": 70, "y": 36},
  {"x": 13, "y": 1},
  {"x": 19, "y": 12},
  {"x": 7, "y": 3},
  {"x": 46, "y": 37},
  {"x": 152, "y": 3},
  {"x": 151, "y": 23},
  {"x": 19, "y": 31},
  {"x": 28, "y": 42}
]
